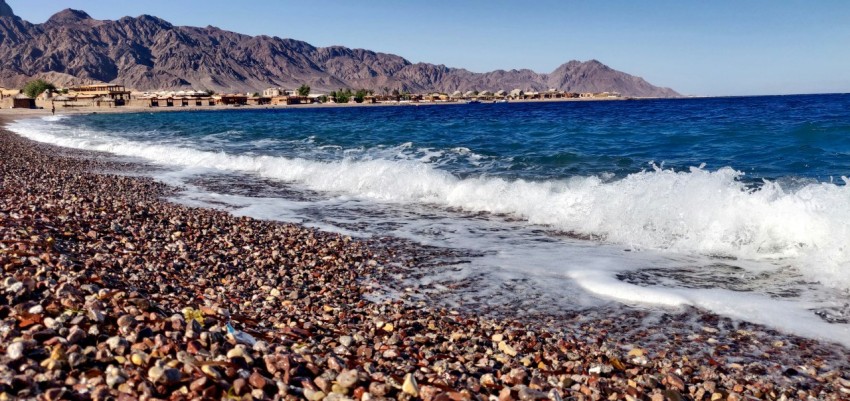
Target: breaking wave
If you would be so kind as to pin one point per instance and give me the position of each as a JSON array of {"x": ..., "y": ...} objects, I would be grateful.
[{"x": 697, "y": 211}]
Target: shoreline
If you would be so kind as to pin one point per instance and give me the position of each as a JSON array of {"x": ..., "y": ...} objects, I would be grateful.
[
  {"x": 12, "y": 113},
  {"x": 102, "y": 269},
  {"x": 15, "y": 113}
]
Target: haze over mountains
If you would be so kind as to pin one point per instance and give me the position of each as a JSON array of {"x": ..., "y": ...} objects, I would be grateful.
[{"x": 149, "y": 53}]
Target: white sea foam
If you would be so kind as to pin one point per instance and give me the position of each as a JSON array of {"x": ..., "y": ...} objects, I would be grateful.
[{"x": 698, "y": 211}]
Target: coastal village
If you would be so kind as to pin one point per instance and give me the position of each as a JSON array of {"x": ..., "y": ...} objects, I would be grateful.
[{"x": 111, "y": 95}]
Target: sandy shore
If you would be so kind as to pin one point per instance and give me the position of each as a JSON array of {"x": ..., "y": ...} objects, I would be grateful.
[{"x": 110, "y": 292}]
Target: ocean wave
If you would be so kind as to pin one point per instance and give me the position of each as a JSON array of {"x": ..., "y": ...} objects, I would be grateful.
[{"x": 696, "y": 211}]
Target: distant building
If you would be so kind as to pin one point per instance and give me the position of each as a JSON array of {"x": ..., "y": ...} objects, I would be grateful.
[
  {"x": 233, "y": 100},
  {"x": 22, "y": 101},
  {"x": 274, "y": 92},
  {"x": 117, "y": 94}
]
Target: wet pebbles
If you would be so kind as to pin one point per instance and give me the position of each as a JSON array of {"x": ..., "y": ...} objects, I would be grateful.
[{"x": 108, "y": 292}]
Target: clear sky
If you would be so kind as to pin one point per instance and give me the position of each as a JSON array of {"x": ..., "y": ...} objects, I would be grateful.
[{"x": 718, "y": 47}]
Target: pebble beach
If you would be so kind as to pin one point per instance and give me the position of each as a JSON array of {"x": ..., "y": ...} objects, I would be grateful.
[{"x": 109, "y": 291}]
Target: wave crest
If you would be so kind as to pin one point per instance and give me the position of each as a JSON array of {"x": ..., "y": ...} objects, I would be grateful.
[{"x": 696, "y": 211}]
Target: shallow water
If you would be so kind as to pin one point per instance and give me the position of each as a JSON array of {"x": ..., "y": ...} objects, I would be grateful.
[{"x": 738, "y": 206}]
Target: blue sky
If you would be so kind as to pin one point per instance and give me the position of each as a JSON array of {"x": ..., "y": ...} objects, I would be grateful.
[{"x": 717, "y": 47}]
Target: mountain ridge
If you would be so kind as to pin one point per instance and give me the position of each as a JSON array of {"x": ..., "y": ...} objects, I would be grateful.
[{"x": 149, "y": 53}]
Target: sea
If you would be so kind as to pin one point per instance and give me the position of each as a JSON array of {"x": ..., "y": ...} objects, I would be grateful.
[{"x": 737, "y": 206}]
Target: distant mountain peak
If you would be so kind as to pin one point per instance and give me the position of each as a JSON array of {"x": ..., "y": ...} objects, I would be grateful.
[
  {"x": 149, "y": 53},
  {"x": 68, "y": 16},
  {"x": 5, "y": 10},
  {"x": 154, "y": 20}
]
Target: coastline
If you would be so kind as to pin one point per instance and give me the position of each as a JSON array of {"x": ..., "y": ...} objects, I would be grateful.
[
  {"x": 13, "y": 113},
  {"x": 103, "y": 251}
]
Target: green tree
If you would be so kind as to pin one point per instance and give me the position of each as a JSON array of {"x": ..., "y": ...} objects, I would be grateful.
[
  {"x": 323, "y": 99},
  {"x": 256, "y": 94},
  {"x": 360, "y": 95},
  {"x": 343, "y": 96},
  {"x": 304, "y": 91},
  {"x": 37, "y": 87}
]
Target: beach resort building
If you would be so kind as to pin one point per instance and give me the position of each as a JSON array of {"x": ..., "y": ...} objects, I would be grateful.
[
  {"x": 191, "y": 98},
  {"x": 274, "y": 92},
  {"x": 116, "y": 95},
  {"x": 21, "y": 101}
]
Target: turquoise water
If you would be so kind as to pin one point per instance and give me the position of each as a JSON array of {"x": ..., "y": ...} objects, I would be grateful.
[{"x": 736, "y": 205}]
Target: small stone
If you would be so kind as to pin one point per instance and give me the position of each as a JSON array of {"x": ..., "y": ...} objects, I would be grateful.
[
  {"x": 275, "y": 292},
  {"x": 9, "y": 281},
  {"x": 75, "y": 335},
  {"x": 156, "y": 374},
  {"x": 676, "y": 382},
  {"x": 505, "y": 394},
  {"x": 96, "y": 315},
  {"x": 497, "y": 338},
  {"x": 114, "y": 342},
  {"x": 52, "y": 323},
  {"x": 515, "y": 376},
  {"x": 15, "y": 287},
  {"x": 199, "y": 384},
  {"x": 55, "y": 394},
  {"x": 237, "y": 352},
  {"x": 378, "y": 389},
  {"x": 138, "y": 359},
  {"x": 172, "y": 376},
  {"x": 36, "y": 310},
  {"x": 262, "y": 347},
  {"x": 410, "y": 386},
  {"x": 323, "y": 384},
  {"x": 125, "y": 320},
  {"x": 488, "y": 380},
  {"x": 336, "y": 364},
  {"x": 313, "y": 395},
  {"x": 673, "y": 395},
  {"x": 193, "y": 347},
  {"x": 114, "y": 379},
  {"x": 15, "y": 351},
  {"x": 347, "y": 378},
  {"x": 257, "y": 380},
  {"x": 527, "y": 394},
  {"x": 211, "y": 372},
  {"x": 346, "y": 341},
  {"x": 636, "y": 352},
  {"x": 507, "y": 349},
  {"x": 240, "y": 386}
]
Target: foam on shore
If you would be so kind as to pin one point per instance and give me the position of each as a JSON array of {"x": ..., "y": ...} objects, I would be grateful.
[{"x": 698, "y": 211}]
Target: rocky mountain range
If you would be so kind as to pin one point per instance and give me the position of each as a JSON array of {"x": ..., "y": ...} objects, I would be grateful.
[{"x": 149, "y": 53}]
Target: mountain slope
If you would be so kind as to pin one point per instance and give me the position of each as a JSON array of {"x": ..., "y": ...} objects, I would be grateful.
[
  {"x": 5, "y": 10},
  {"x": 149, "y": 53}
]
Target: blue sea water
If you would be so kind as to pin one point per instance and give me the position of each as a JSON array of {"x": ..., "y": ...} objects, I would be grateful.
[{"x": 736, "y": 205}]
